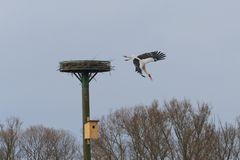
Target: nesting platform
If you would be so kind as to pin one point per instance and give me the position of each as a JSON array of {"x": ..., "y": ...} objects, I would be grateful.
[{"x": 80, "y": 66}]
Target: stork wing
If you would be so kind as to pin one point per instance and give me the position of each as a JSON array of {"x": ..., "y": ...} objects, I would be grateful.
[
  {"x": 137, "y": 66},
  {"x": 152, "y": 56}
]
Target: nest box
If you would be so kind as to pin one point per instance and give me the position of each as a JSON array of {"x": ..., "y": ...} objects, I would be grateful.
[{"x": 91, "y": 129}]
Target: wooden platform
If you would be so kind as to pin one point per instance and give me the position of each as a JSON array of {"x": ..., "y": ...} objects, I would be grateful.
[{"x": 80, "y": 66}]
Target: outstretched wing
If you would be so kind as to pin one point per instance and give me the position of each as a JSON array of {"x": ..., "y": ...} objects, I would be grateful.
[
  {"x": 152, "y": 56},
  {"x": 137, "y": 66}
]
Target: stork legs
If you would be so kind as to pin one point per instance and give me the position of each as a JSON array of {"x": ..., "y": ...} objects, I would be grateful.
[{"x": 144, "y": 69}]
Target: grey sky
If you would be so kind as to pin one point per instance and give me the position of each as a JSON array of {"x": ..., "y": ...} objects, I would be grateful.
[{"x": 201, "y": 40}]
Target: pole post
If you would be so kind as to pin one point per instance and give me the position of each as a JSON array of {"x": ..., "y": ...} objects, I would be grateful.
[
  {"x": 85, "y": 113},
  {"x": 85, "y": 71}
]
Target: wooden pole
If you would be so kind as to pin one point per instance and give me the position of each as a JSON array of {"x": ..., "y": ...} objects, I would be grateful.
[{"x": 85, "y": 113}]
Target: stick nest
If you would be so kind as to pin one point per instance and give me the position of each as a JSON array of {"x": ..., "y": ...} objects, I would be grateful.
[{"x": 79, "y": 66}]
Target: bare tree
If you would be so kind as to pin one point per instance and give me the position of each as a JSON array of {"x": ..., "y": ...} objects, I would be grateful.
[
  {"x": 41, "y": 143},
  {"x": 112, "y": 144},
  {"x": 32, "y": 145},
  {"x": 228, "y": 146},
  {"x": 140, "y": 133},
  {"x": 193, "y": 135},
  {"x": 149, "y": 133},
  {"x": 236, "y": 152},
  {"x": 1, "y": 143},
  {"x": 9, "y": 137},
  {"x": 36, "y": 143},
  {"x": 175, "y": 131}
]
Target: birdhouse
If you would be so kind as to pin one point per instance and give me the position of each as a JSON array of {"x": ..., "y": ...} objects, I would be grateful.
[{"x": 91, "y": 129}]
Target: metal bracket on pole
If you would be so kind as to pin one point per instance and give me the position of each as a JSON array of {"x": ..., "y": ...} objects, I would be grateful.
[
  {"x": 79, "y": 77},
  {"x": 93, "y": 76}
]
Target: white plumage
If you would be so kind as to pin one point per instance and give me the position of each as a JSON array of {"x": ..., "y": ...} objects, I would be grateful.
[{"x": 140, "y": 61}]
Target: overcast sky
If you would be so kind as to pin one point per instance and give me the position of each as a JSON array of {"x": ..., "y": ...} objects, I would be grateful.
[{"x": 200, "y": 38}]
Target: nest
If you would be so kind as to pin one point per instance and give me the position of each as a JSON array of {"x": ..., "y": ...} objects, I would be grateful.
[{"x": 90, "y": 66}]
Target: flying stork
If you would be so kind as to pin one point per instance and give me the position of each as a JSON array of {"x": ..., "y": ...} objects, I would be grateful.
[{"x": 140, "y": 61}]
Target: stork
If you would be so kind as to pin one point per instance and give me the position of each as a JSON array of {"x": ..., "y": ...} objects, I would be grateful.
[{"x": 140, "y": 61}]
